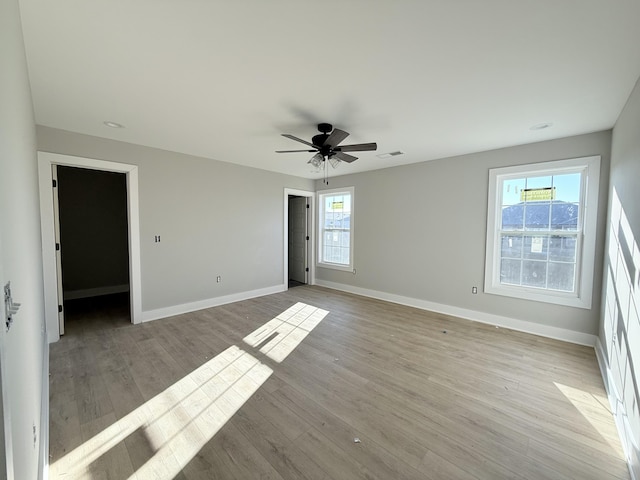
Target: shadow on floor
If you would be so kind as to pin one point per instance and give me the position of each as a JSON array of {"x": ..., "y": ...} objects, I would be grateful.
[{"x": 96, "y": 313}]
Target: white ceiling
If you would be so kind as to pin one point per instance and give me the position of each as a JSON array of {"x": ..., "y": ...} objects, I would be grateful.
[{"x": 433, "y": 78}]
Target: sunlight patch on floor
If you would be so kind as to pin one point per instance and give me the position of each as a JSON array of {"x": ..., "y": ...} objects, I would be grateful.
[
  {"x": 285, "y": 332},
  {"x": 178, "y": 422},
  {"x": 595, "y": 409}
]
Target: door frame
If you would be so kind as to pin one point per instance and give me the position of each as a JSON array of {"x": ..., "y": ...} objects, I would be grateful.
[
  {"x": 46, "y": 160},
  {"x": 311, "y": 247}
]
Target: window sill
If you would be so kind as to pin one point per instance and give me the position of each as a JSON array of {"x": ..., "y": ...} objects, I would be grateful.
[
  {"x": 536, "y": 295},
  {"x": 335, "y": 266}
]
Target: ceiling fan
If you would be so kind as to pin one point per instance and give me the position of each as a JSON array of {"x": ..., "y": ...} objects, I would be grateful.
[{"x": 326, "y": 146}]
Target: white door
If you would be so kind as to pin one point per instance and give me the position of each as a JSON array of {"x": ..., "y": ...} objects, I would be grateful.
[
  {"x": 56, "y": 225},
  {"x": 298, "y": 239}
]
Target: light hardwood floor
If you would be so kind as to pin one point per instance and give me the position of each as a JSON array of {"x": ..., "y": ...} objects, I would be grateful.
[{"x": 428, "y": 396}]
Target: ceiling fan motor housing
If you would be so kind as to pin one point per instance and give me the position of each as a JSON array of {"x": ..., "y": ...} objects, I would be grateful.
[
  {"x": 325, "y": 127},
  {"x": 319, "y": 140}
]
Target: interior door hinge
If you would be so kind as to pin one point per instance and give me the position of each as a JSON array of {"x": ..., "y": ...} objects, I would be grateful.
[
  {"x": 307, "y": 205},
  {"x": 306, "y": 269},
  {"x": 59, "y": 308},
  {"x": 55, "y": 183},
  {"x": 307, "y": 237},
  {"x": 57, "y": 247}
]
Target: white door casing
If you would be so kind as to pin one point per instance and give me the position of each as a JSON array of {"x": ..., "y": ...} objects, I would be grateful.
[
  {"x": 56, "y": 232},
  {"x": 45, "y": 162},
  {"x": 310, "y": 250}
]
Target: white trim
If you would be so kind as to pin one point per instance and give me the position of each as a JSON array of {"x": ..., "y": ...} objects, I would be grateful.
[
  {"x": 95, "y": 292},
  {"x": 43, "y": 462},
  {"x": 602, "y": 363},
  {"x": 45, "y": 162},
  {"x": 318, "y": 260},
  {"x": 4, "y": 391},
  {"x": 311, "y": 250},
  {"x": 165, "y": 312},
  {"x": 615, "y": 401},
  {"x": 582, "y": 298},
  {"x": 474, "y": 315}
]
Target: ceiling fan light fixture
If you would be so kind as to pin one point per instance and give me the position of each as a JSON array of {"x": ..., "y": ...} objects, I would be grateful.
[
  {"x": 334, "y": 162},
  {"x": 316, "y": 160}
]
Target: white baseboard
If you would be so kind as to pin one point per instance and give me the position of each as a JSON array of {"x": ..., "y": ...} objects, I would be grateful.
[
  {"x": 95, "y": 292},
  {"x": 208, "y": 303},
  {"x": 43, "y": 451},
  {"x": 482, "y": 317},
  {"x": 602, "y": 363}
]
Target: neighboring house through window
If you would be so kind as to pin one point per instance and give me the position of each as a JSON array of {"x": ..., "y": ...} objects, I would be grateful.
[
  {"x": 335, "y": 249},
  {"x": 541, "y": 231}
]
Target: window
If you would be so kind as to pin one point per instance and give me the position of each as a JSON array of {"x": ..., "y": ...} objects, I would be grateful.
[
  {"x": 541, "y": 231},
  {"x": 335, "y": 249}
]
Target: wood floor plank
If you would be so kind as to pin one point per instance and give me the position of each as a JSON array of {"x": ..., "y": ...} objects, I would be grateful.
[
  {"x": 342, "y": 434},
  {"x": 233, "y": 456},
  {"x": 283, "y": 454}
]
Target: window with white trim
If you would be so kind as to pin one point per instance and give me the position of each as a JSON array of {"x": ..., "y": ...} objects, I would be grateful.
[
  {"x": 541, "y": 228},
  {"x": 335, "y": 241}
]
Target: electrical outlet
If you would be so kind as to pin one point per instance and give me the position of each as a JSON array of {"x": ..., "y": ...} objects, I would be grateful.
[
  {"x": 157, "y": 239},
  {"x": 218, "y": 279},
  {"x": 474, "y": 290}
]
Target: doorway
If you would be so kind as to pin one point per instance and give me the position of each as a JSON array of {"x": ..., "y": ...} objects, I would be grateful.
[
  {"x": 46, "y": 161},
  {"x": 298, "y": 238},
  {"x": 93, "y": 248}
]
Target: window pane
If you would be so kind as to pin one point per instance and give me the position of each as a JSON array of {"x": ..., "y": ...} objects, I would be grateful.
[
  {"x": 511, "y": 246},
  {"x": 511, "y": 191},
  {"x": 345, "y": 239},
  {"x": 545, "y": 181},
  {"x": 562, "y": 249},
  {"x": 535, "y": 247},
  {"x": 564, "y": 216},
  {"x": 510, "y": 271},
  {"x": 534, "y": 274},
  {"x": 561, "y": 276},
  {"x": 567, "y": 187},
  {"x": 513, "y": 217},
  {"x": 536, "y": 215}
]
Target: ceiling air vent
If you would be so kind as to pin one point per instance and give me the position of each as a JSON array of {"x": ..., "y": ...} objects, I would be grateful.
[{"x": 390, "y": 154}]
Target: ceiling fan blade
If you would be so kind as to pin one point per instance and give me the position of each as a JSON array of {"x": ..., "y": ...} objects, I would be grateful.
[
  {"x": 297, "y": 139},
  {"x": 345, "y": 157},
  {"x": 336, "y": 137},
  {"x": 358, "y": 147},
  {"x": 294, "y": 151}
]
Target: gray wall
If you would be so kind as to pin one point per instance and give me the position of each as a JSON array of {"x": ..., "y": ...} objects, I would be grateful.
[
  {"x": 620, "y": 327},
  {"x": 23, "y": 348},
  {"x": 213, "y": 218},
  {"x": 420, "y": 231},
  {"x": 93, "y": 230}
]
